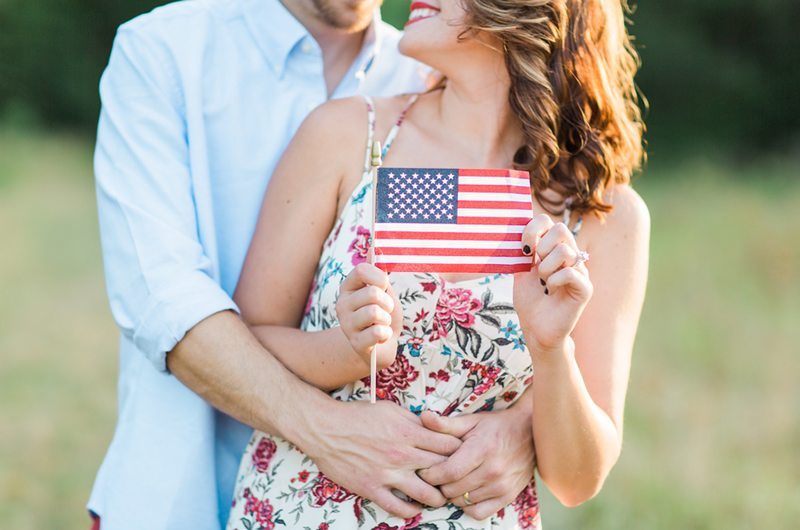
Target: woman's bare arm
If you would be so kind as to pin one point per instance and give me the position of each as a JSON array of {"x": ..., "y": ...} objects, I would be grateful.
[
  {"x": 299, "y": 210},
  {"x": 580, "y": 384}
]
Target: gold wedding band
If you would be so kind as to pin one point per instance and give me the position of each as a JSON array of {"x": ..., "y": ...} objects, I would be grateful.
[{"x": 466, "y": 498}]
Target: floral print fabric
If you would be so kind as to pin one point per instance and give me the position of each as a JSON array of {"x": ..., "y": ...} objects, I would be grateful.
[{"x": 461, "y": 351}]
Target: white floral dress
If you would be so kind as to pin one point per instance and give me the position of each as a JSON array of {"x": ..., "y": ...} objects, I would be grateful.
[{"x": 461, "y": 351}]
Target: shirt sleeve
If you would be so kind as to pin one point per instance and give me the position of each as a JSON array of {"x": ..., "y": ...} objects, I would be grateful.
[{"x": 158, "y": 276}]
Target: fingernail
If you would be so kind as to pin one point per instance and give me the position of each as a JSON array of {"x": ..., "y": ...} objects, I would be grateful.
[
  {"x": 526, "y": 250},
  {"x": 544, "y": 284},
  {"x": 546, "y": 291}
]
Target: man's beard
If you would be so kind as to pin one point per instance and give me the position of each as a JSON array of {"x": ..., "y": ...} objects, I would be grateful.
[{"x": 350, "y": 20}]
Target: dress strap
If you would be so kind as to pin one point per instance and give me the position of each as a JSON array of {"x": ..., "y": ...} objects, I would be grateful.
[
  {"x": 568, "y": 215},
  {"x": 387, "y": 143},
  {"x": 370, "y": 132}
]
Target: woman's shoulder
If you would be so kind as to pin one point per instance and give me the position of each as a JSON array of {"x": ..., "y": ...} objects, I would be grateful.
[
  {"x": 628, "y": 223},
  {"x": 344, "y": 121}
]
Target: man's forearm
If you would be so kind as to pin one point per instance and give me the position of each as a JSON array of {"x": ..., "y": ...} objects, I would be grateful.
[{"x": 224, "y": 363}]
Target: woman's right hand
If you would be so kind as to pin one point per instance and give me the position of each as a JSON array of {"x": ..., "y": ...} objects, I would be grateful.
[{"x": 370, "y": 314}]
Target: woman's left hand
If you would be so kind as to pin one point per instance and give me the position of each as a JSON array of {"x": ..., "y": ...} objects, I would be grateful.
[{"x": 551, "y": 297}]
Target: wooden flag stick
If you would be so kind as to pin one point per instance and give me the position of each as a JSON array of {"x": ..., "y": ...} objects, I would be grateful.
[{"x": 375, "y": 163}]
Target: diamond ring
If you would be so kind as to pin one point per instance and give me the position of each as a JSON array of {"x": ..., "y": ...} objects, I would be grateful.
[{"x": 582, "y": 257}]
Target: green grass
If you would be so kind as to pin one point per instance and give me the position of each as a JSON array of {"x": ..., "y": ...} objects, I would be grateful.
[{"x": 712, "y": 435}]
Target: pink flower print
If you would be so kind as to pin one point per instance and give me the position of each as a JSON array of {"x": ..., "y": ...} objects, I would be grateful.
[
  {"x": 428, "y": 287},
  {"x": 398, "y": 376},
  {"x": 385, "y": 526},
  {"x": 360, "y": 246},
  {"x": 325, "y": 490},
  {"x": 263, "y": 514},
  {"x": 413, "y": 522},
  {"x": 488, "y": 379},
  {"x": 455, "y": 306},
  {"x": 510, "y": 395},
  {"x": 441, "y": 375},
  {"x": 527, "y": 506},
  {"x": 263, "y": 454}
]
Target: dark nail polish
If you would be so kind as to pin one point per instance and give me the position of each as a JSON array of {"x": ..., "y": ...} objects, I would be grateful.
[
  {"x": 526, "y": 250},
  {"x": 546, "y": 291},
  {"x": 544, "y": 284}
]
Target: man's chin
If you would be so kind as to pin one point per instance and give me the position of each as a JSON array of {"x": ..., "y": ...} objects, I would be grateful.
[{"x": 350, "y": 18}]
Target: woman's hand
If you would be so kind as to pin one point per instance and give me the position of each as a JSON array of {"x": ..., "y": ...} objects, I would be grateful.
[
  {"x": 551, "y": 297},
  {"x": 369, "y": 314}
]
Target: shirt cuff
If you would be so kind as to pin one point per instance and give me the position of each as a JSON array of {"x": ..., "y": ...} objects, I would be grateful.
[{"x": 193, "y": 299}]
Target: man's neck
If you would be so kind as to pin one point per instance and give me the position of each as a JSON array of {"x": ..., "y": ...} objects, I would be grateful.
[{"x": 340, "y": 47}]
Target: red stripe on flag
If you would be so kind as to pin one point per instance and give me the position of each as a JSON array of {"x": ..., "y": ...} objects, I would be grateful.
[
  {"x": 450, "y": 236},
  {"x": 492, "y": 268},
  {"x": 507, "y": 205},
  {"x": 487, "y": 252},
  {"x": 493, "y": 220},
  {"x": 510, "y": 173},
  {"x": 490, "y": 188}
]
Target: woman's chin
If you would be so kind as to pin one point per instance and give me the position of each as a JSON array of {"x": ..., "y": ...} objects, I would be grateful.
[{"x": 418, "y": 48}]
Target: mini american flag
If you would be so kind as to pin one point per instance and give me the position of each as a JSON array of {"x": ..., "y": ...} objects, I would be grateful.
[{"x": 451, "y": 220}]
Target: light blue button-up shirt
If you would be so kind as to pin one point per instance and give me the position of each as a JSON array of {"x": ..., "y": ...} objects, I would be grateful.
[{"x": 199, "y": 100}]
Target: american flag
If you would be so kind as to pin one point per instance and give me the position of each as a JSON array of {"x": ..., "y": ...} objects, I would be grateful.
[{"x": 451, "y": 220}]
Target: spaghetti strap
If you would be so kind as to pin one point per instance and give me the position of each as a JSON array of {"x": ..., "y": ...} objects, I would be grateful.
[
  {"x": 387, "y": 142},
  {"x": 370, "y": 132},
  {"x": 568, "y": 215}
]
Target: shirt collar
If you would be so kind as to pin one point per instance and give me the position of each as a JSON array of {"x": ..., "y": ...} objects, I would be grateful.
[{"x": 277, "y": 32}]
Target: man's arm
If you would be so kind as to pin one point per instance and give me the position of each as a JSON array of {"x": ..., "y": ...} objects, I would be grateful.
[{"x": 367, "y": 456}]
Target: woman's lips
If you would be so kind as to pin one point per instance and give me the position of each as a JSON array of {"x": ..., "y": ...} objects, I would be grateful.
[{"x": 421, "y": 11}]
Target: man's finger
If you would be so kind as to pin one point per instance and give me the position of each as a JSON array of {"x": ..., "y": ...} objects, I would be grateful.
[
  {"x": 472, "y": 483},
  {"x": 484, "y": 510},
  {"x": 422, "y": 492},
  {"x": 456, "y": 426},
  {"x": 394, "y": 504},
  {"x": 436, "y": 442},
  {"x": 463, "y": 462}
]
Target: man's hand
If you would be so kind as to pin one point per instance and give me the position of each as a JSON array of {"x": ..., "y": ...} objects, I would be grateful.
[
  {"x": 494, "y": 463},
  {"x": 373, "y": 449}
]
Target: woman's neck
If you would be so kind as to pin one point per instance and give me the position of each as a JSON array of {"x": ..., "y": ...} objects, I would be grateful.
[{"x": 476, "y": 105}]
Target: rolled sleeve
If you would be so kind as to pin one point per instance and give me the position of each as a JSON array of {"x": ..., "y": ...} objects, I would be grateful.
[{"x": 159, "y": 279}]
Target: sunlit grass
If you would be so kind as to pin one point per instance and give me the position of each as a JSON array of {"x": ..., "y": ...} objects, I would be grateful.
[{"x": 712, "y": 432}]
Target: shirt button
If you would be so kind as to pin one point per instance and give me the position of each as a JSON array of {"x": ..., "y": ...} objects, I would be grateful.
[{"x": 307, "y": 47}]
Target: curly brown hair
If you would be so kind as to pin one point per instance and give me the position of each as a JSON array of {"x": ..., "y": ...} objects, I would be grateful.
[{"x": 571, "y": 64}]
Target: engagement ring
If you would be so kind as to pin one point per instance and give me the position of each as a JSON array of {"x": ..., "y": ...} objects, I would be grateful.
[{"x": 582, "y": 257}]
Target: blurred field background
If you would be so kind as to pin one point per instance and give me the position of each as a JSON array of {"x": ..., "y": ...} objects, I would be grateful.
[{"x": 712, "y": 430}]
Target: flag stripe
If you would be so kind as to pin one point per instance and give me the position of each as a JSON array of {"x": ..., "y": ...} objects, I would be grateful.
[
  {"x": 494, "y": 268},
  {"x": 494, "y": 220},
  {"x": 388, "y": 252},
  {"x": 473, "y": 260},
  {"x": 508, "y": 197},
  {"x": 469, "y": 231},
  {"x": 494, "y": 173},
  {"x": 490, "y": 204},
  {"x": 492, "y": 213},
  {"x": 382, "y": 236},
  {"x": 524, "y": 190},
  {"x": 382, "y": 244},
  {"x": 490, "y": 181}
]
